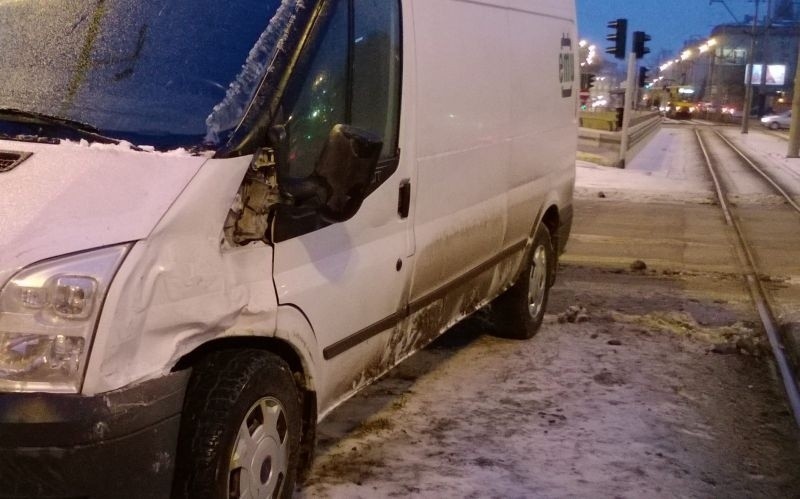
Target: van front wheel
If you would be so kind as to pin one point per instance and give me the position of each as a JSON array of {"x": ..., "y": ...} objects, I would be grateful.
[
  {"x": 240, "y": 433},
  {"x": 518, "y": 313}
]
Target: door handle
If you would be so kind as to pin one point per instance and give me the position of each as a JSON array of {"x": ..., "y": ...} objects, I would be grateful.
[{"x": 404, "y": 201}]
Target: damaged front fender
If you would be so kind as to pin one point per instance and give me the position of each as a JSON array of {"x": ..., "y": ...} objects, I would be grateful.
[{"x": 182, "y": 287}]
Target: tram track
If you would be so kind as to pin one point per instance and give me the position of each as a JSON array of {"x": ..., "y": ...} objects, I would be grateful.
[
  {"x": 772, "y": 181},
  {"x": 749, "y": 264}
]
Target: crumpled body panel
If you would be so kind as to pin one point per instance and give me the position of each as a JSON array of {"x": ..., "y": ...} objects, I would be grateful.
[{"x": 179, "y": 289}]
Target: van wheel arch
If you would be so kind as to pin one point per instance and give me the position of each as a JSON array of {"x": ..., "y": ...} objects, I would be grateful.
[
  {"x": 302, "y": 378},
  {"x": 552, "y": 220},
  {"x": 518, "y": 312}
]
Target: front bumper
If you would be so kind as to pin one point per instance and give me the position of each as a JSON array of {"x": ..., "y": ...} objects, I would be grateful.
[{"x": 119, "y": 444}]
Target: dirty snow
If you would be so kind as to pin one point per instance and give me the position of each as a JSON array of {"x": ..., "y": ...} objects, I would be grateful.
[{"x": 655, "y": 392}]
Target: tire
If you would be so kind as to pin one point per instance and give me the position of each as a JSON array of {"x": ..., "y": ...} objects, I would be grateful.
[
  {"x": 236, "y": 398},
  {"x": 774, "y": 126},
  {"x": 518, "y": 313}
]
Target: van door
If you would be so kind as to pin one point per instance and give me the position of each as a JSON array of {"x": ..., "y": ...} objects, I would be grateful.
[
  {"x": 348, "y": 278},
  {"x": 463, "y": 150}
]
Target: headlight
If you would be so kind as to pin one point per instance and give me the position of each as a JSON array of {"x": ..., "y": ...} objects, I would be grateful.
[{"x": 48, "y": 313}]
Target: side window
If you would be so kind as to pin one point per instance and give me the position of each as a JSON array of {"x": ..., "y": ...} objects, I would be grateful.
[
  {"x": 326, "y": 90},
  {"x": 349, "y": 73},
  {"x": 376, "y": 70},
  {"x": 317, "y": 100}
]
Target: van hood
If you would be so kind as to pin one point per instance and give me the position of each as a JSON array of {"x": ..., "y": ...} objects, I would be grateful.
[{"x": 74, "y": 196}]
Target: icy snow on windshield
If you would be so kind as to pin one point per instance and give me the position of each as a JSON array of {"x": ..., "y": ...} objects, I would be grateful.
[{"x": 241, "y": 91}]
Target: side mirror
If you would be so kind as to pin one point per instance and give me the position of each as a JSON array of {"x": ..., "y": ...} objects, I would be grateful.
[
  {"x": 347, "y": 166},
  {"x": 295, "y": 191},
  {"x": 342, "y": 174}
]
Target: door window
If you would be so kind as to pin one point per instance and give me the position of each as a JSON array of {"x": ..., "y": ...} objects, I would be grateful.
[
  {"x": 376, "y": 71},
  {"x": 318, "y": 99},
  {"x": 348, "y": 73}
]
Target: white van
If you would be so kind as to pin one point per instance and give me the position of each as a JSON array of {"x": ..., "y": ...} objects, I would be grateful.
[{"x": 222, "y": 219}]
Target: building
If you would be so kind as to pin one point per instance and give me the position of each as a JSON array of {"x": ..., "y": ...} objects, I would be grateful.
[{"x": 717, "y": 70}]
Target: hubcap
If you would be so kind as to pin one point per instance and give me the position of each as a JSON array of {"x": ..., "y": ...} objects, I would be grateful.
[
  {"x": 538, "y": 281},
  {"x": 260, "y": 457}
]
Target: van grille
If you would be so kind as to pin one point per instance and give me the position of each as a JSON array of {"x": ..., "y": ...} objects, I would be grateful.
[{"x": 11, "y": 159}]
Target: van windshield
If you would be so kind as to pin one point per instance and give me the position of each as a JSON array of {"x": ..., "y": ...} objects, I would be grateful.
[{"x": 165, "y": 73}]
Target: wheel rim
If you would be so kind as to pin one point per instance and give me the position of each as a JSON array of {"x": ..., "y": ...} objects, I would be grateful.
[
  {"x": 538, "y": 282},
  {"x": 260, "y": 458}
]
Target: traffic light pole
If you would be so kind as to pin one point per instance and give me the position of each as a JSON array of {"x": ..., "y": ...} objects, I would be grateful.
[
  {"x": 751, "y": 61},
  {"x": 794, "y": 128},
  {"x": 627, "y": 110}
]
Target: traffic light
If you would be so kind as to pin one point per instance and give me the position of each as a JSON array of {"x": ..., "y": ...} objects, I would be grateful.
[
  {"x": 587, "y": 81},
  {"x": 642, "y": 77},
  {"x": 619, "y": 36},
  {"x": 639, "y": 39}
]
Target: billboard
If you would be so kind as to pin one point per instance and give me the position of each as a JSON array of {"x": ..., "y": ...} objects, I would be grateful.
[{"x": 776, "y": 74}]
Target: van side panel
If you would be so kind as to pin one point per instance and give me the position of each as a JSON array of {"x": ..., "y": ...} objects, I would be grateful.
[
  {"x": 544, "y": 118},
  {"x": 463, "y": 145},
  {"x": 564, "y": 9},
  {"x": 497, "y": 114}
]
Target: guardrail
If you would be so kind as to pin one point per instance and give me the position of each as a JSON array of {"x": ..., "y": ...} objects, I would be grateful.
[
  {"x": 643, "y": 125},
  {"x": 600, "y": 120}
]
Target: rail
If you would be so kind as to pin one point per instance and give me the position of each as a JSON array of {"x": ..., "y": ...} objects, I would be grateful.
[{"x": 750, "y": 273}]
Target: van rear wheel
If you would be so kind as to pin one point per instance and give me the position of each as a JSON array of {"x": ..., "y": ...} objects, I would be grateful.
[
  {"x": 240, "y": 432},
  {"x": 518, "y": 313}
]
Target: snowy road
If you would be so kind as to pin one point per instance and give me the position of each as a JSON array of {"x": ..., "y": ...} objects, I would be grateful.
[{"x": 642, "y": 383}]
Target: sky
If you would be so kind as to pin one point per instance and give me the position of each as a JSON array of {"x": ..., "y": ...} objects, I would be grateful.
[{"x": 669, "y": 22}]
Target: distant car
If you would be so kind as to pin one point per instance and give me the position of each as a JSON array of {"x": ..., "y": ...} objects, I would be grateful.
[{"x": 777, "y": 121}]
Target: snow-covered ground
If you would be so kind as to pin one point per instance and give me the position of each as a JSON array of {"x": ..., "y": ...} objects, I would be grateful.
[
  {"x": 769, "y": 151},
  {"x": 768, "y": 146},
  {"x": 670, "y": 169},
  {"x": 665, "y": 170},
  {"x": 635, "y": 387}
]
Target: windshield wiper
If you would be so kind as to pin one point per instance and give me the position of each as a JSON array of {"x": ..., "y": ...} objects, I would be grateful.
[{"x": 33, "y": 118}]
